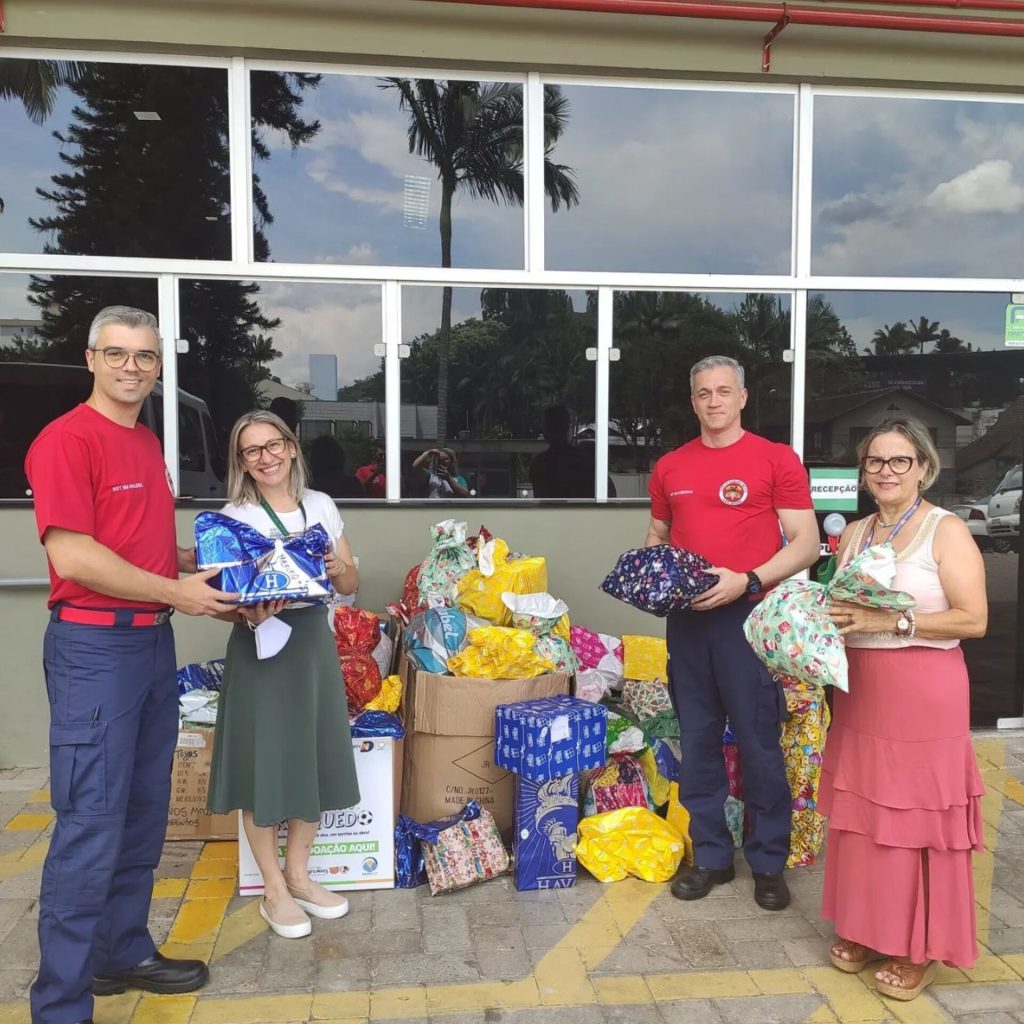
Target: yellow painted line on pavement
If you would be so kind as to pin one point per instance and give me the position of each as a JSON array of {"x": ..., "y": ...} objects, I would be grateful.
[
  {"x": 17, "y": 862},
  {"x": 153, "y": 1009},
  {"x": 169, "y": 888},
  {"x": 28, "y": 822},
  {"x": 38, "y": 796}
]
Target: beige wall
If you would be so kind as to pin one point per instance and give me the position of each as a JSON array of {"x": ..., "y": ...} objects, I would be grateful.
[
  {"x": 580, "y": 544},
  {"x": 385, "y": 31}
]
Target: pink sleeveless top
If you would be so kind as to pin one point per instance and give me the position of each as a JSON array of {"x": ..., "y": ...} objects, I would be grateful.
[{"x": 917, "y": 573}]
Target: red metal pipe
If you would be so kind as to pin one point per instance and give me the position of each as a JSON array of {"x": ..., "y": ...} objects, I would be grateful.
[{"x": 779, "y": 14}]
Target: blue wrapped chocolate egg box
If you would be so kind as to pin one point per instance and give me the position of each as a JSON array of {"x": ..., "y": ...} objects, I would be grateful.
[
  {"x": 549, "y": 737},
  {"x": 262, "y": 568}
]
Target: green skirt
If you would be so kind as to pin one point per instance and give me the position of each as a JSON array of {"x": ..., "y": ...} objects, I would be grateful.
[{"x": 282, "y": 747}]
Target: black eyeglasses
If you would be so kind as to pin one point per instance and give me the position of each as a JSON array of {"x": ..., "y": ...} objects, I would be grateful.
[
  {"x": 254, "y": 451},
  {"x": 899, "y": 464},
  {"x": 145, "y": 359}
]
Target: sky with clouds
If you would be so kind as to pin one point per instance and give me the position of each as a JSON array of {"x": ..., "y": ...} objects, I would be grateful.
[{"x": 669, "y": 180}]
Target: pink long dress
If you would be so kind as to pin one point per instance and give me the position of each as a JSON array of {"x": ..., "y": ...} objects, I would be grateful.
[{"x": 900, "y": 785}]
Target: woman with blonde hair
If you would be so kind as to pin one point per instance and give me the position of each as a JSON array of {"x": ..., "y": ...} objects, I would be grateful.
[
  {"x": 282, "y": 748},
  {"x": 900, "y": 784}
]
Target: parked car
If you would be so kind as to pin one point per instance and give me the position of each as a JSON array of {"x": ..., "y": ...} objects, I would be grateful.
[
  {"x": 1004, "y": 509},
  {"x": 975, "y": 515}
]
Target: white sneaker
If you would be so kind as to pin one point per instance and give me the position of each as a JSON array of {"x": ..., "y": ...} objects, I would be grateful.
[
  {"x": 317, "y": 901},
  {"x": 290, "y": 924}
]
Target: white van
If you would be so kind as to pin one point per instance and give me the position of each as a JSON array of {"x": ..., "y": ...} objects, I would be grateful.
[
  {"x": 33, "y": 394},
  {"x": 1004, "y": 509}
]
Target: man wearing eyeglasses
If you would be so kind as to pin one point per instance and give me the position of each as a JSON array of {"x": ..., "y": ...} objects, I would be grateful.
[{"x": 105, "y": 514}]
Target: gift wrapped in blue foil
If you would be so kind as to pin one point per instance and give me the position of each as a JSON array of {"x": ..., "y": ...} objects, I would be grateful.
[
  {"x": 659, "y": 579},
  {"x": 546, "y": 816},
  {"x": 378, "y": 723},
  {"x": 200, "y": 675},
  {"x": 550, "y": 737},
  {"x": 260, "y": 568}
]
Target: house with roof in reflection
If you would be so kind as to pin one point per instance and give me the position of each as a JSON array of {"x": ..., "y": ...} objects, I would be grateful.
[{"x": 983, "y": 463}]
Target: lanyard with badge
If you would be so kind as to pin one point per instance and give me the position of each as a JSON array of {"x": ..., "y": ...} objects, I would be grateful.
[
  {"x": 277, "y": 522},
  {"x": 904, "y": 519}
]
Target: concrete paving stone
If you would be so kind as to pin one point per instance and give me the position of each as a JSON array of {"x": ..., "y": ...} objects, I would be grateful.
[
  {"x": 339, "y": 944},
  {"x": 964, "y": 1000},
  {"x": 290, "y": 974},
  {"x": 641, "y": 960},
  {"x": 806, "y": 952},
  {"x": 11, "y": 912},
  {"x": 632, "y": 1015},
  {"x": 255, "y": 951},
  {"x": 382, "y": 941},
  {"x": 349, "y": 975},
  {"x": 14, "y": 842},
  {"x": 999, "y": 1017},
  {"x": 794, "y": 1009},
  {"x": 489, "y": 939},
  {"x": 395, "y": 916},
  {"x": 31, "y": 778},
  {"x": 768, "y": 926},
  {"x": 650, "y": 930},
  {"x": 504, "y": 965},
  {"x": 11, "y": 803},
  {"x": 21, "y": 947},
  {"x": 232, "y": 979},
  {"x": 544, "y": 936},
  {"x": 423, "y": 969},
  {"x": 1007, "y": 908},
  {"x": 727, "y": 908},
  {"x": 445, "y": 931},
  {"x": 690, "y": 1011},
  {"x": 1005, "y": 940},
  {"x": 756, "y": 954},
  {"x": 23, "y": 886},
  {"x": 14, "y": 982},
  {"x": 702, "y": 944},
  {"x": 533, "y": 912}
]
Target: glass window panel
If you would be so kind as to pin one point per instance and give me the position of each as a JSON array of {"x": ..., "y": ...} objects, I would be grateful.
[
  {"x": 304, "y": 350},
  {"x": 917, "y": 187},
  {"x": 674, "y": 181},
  {"x": 660, "y": 335},
  {"x": 114, "y": 159},
  {"x": 361, "y": 183},
  {"x": 44, "y": 331},
  {"x": 519, "y": 393},
  {"x": 947, "y": 366}
]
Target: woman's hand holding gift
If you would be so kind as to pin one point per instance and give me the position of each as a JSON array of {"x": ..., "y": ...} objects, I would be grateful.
[
  {"x": 857, "y": 618},
  {"x": 336, "y": 566},
  {"x": 254, "y": 614}
]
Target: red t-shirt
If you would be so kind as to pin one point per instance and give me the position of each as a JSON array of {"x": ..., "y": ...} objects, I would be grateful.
[
  {"x": 722, "y": 502},
  {"x": 91, "y": 475},
  {"x": 378, "y": 487}
]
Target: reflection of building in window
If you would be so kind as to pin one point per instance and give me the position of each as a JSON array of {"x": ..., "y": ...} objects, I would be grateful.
[
  {"x": 323, "y": 376},
  {"x": 981, "y": 464},
  {"x": 836, "y": 424},
  {"x": 13, "y": 329},
  {"x": 190, "y": 439},
  {"x": 415, "y": 201}
]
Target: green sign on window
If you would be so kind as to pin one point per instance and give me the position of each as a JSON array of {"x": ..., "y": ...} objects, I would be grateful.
[
  {"x": 1014, "y": 336},
  {"x": 834, "y": 490}
]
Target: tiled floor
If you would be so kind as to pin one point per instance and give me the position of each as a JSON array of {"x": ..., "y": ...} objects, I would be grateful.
[{"x": 626, "y": 951}]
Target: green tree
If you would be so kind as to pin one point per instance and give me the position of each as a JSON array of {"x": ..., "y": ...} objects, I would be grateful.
[
  {"x": 923, "y": 332},
  {"x": 892, "y": 341},
  {"x": 947, "y": 342},
  {"x": 134, "y": 188},
  {"x": 472, "y": 132}
]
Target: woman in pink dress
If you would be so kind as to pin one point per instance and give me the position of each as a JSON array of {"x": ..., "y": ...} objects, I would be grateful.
[{"x": 900, "y": 784}]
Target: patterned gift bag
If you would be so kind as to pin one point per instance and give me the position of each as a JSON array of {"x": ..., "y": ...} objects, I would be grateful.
[
  {"x": 645, "y": 700},
  {"x": 464, "y": 854},
  {"x": 803, "y": 740}
]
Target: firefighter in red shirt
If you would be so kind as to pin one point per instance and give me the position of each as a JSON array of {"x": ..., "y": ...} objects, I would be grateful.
[
  {"x": 730, "y": 496},
  {"x": 105, "y": 514}
]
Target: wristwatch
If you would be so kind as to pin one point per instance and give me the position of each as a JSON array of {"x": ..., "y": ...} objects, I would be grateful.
[
  {"x": 905, "y": 624},
  {"x": 753, "y": 583}
]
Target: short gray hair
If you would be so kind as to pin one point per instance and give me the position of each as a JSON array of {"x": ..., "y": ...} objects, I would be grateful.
[
  {"x": 125, "y": 316},
  {"x": 713, "y": 363}
]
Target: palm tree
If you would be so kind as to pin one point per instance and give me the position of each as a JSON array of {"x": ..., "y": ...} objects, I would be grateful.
[
  {"x": 35, "y": 83},
  {"x": 947, "y": 342},
  {"x": 924, "y": 332},
  {"x": 891, "y": 341},
  {"x": 472, "y": 132}
]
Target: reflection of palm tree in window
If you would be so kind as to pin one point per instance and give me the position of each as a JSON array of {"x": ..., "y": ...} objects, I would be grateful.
[{"x": 472, "y": 132}]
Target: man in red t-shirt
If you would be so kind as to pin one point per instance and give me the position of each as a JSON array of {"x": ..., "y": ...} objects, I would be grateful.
[
  {"x": 730, "y": 496},
  {"x": 371, "y": 476},
  {"x": 105, "y": 514}
]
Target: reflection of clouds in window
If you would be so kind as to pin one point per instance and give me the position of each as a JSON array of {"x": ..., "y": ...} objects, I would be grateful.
[
  {"x": 675, "y": 181},
  {"x": 344, "y": 321},
  {"x": 915, "y": 187},
  {"x": 349, "y": 187}
]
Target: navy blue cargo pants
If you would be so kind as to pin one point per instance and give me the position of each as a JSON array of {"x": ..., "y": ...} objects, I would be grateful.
[
  {"x": 713, "y": 674},
  {"x": 113, "y": 728}
]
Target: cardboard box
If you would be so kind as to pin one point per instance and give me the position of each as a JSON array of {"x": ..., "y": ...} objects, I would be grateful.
[
  {"x": 187, "y": 816},
  {"x": 354, "y": 848},
  {"x": 449, "y": 741},
  {"x": 547, "y": 739},
  {"x": 544, "y": 849}
]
